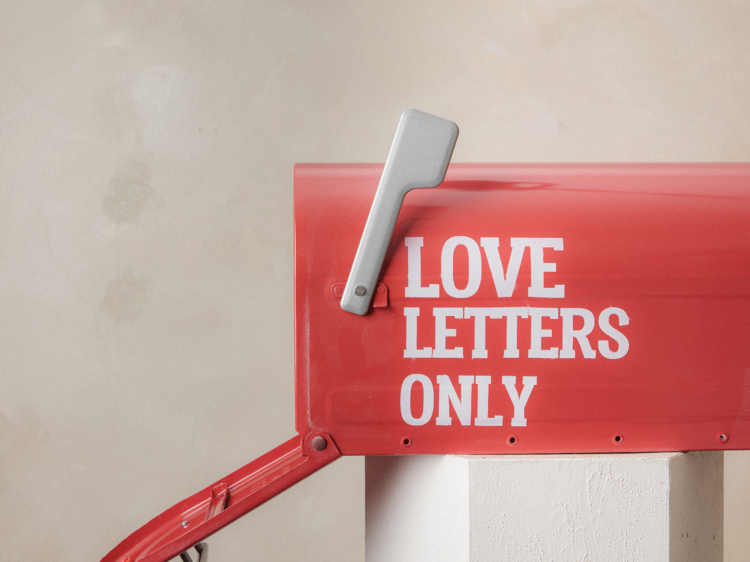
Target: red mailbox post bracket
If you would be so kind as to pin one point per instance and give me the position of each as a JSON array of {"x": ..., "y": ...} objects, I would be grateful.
[{"x": 195, "y": 518}]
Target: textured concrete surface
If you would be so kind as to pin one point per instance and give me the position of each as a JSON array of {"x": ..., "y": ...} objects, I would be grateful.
[
  {"x": 637, "y": 508},
  {"x": 146, "y": 154}
]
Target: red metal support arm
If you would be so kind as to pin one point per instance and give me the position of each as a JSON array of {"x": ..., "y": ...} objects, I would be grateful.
[{"x": 201, "y": 515}]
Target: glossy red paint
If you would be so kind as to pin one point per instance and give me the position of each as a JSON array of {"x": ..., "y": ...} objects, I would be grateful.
[
  {"x": 199, "y": 516},
  {"x": 661, "y": 252},
  {"x": 669, "y": 245}
]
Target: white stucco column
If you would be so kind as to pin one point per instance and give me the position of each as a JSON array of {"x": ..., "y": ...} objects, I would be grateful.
[{"x": 630, "y": 507}]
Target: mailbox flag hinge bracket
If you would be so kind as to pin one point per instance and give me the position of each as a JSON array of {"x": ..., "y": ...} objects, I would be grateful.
[{"x": 189, "y": 522}]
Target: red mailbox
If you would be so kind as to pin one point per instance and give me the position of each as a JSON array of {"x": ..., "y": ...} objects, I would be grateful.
[
  {"x": 520, "y": 308},
  {"x": 531, "y": 309}
]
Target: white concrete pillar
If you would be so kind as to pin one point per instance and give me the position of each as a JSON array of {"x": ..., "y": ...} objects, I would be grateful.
[{"x": 629, "y": 507}]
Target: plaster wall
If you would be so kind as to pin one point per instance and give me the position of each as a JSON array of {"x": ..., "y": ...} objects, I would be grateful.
[{"x": 146, "y": 154}]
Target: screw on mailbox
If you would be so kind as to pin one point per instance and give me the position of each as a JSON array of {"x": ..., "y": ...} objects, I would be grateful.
[{"x": 319, "y": 443}]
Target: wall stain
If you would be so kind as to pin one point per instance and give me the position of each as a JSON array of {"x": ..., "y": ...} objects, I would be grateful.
[
  {"x": 22, "y": 442},
  {"x": 126, "y": 296},
  {"x": 128, "y": 192}
]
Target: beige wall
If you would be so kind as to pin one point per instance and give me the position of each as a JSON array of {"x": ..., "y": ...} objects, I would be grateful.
[{"x": 146, "y": 153}]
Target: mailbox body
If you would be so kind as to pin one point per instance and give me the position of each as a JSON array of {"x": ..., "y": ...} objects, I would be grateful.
[
  {"x": 530, "y": 309},
  {"x": 628, "y": 287}
]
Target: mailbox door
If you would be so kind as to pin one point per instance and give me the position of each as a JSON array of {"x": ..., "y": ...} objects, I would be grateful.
[{"x": 530, "y": 309}]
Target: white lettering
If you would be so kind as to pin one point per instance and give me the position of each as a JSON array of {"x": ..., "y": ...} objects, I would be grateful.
[
  {"x": 512, "y": 314},
  {"x": 483, "y": 398},
  {"x": 519, "y": 402},
  {"x": 447, "y": 396},
  {"x": 475, "y": 267},
  {"x": 414, "y": 288},
  {"x": 606, "y": 327},
  {"x": 539, "y": 267},
  {"x": 479, "y": 315},
  {"x": 504, "y": 284},
  {"x": 537, "y": 333},
  {"x": 441, "y": 332},
  {"x": 428, "y": 399},
  {"x": 411, "y": 351},
  {"x": 569, "y": 333}
]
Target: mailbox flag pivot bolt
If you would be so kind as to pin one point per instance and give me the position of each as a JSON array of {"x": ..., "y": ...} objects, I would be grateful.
[
  {"x": 319, "y": 443},
  {"x": 418, "y": 158}
]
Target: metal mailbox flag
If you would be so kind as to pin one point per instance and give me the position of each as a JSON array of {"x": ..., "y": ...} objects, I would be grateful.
[{"x": 512, "y": 308}]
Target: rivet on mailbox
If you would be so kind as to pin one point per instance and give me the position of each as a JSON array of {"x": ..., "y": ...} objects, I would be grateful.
[{"x": 525, "y": 308}]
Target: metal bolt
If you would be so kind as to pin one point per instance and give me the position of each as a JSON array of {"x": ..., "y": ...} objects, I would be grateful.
[
  {"x": 319, "y": 443},
  {"x": 185, "y": 524},
  {"x": 360, "y": 291}
]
